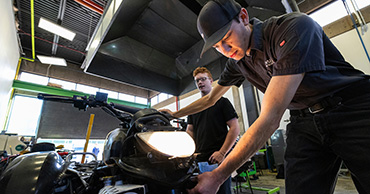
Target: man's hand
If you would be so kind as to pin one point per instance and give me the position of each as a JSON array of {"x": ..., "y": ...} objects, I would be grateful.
[
  {"x": 217, "y": 157},
  {"x": 207, "y": 184},
  {"x": 167, "y": 112}
]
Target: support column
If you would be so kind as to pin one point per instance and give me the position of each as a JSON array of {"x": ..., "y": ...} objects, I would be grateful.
[
  {"x": 238, "y": 109},
  {"x": 250, "y": 102}
]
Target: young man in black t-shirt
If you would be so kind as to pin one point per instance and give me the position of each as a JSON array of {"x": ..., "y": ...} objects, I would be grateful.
[
  {"x": 291, "y": 60},
  {"x": 209, "y": 128}
]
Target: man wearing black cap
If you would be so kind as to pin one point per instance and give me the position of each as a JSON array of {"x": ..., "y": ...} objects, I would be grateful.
[{"x": 292, "y": 61}]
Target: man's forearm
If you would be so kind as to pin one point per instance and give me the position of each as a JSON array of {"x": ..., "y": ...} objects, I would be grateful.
[
  {"x": 204, "y": 102},
  {"x": 231, "y": 136},
  {"x": 195, "y": 107},
  {"x": 278, "y": 96},
  {"x": 248, "y": 145}
]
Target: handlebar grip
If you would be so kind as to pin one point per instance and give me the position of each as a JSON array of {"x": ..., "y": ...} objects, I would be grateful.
[
  {"x": 124, "y": 108},
  {"x": 51, "y": 97},
  {"x": 168, "y": 115}
]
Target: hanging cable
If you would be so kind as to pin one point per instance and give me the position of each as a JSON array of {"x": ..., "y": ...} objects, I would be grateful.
[
  {"x": 359, "y": 16},
  {"x": 355, "y": 25},
  {"x": 23, "y": 32}
]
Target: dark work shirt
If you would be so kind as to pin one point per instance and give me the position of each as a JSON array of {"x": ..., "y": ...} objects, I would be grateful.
[
  {"x": 210, "y": 127},
  {"x": 293, "y": 44}
]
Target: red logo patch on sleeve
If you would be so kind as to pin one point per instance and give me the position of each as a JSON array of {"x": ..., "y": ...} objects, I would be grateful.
[{"x": 282, "y": 43}]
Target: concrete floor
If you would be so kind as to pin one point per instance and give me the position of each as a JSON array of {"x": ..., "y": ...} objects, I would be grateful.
[{"x": 268, "y": 180}]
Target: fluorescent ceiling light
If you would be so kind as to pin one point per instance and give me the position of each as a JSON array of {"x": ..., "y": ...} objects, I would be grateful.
[
  {"x": 52, "y": 60},
  {"x": 56, "y": 29}
]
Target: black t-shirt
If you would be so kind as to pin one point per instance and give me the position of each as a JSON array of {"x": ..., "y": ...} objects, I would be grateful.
[
  {"x": 210, "y": 128},
  {"x": 293, "y": 44}
]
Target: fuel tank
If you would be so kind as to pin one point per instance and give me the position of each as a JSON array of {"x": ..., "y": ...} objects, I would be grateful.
[{"x": 33, "y": 173}]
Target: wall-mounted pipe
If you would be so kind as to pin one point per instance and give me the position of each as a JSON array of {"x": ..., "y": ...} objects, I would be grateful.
[
  {"x": 177, "y": 107},
  {"x": 10, "y": 102},
  {"x": 94, "y": 5},
  {"x": 62, "y": 8},
  {"x": 20, "y": 61},
  {"x": 91, "y": 5},
  {"x": 355, "y": 26},
  {"x": 33, "y": 29},
  {"x": 25, "y": 58}
]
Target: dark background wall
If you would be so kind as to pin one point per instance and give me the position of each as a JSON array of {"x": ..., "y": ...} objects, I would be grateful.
[{"x": 62, "y": 120}]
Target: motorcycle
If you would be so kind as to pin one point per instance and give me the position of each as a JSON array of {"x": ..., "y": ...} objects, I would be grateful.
[{"x": 146, "y": 154}]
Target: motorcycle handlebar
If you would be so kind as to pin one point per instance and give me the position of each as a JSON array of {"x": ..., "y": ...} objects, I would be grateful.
[
  {"x": 55, "y": 98},
  {"x": 100, "y": 100},
  {"x": 82, "y": 102},
  {"x": 124, "y": 108}
]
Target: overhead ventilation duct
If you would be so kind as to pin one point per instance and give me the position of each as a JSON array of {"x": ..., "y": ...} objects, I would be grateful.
[{"x": 91, "y": 5}]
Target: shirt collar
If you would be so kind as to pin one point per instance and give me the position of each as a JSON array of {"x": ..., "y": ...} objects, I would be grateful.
[{"x": 256, "y": 41}]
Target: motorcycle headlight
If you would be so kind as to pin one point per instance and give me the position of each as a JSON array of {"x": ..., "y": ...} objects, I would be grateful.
[{"x": 172, "y": 143}]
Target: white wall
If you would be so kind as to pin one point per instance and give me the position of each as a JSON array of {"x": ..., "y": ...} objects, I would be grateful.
[
  {"x": 9, "y": 55},
  {"x": 350, "y": 46},
  {"x": 190, "y": 99},
  {"x": 229, "y": 95},
  {"x": 185, "y": 102}
]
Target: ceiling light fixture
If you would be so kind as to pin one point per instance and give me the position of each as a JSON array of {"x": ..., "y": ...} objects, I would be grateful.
[
  {"x": 56, "y": 29},
  {"x": 52, "y": 60}
]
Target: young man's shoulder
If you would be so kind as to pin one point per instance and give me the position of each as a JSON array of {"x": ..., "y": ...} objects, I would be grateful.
[
  {"x": 289, "y": 19},
  {"x": 223, "y": 101}
]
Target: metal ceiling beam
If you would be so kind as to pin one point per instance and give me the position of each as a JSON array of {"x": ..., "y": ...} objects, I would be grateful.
[
  {"x": 91, "y": 5},
  {"x": 39, "y": 16},
  {"x": 193, "y": 5},
  {"x": 62, "y": 8},
  {"x": 293, "y": 5},
  {"x": 344, "y": 24},
  {"x": 309, "y": 6},
  {"x": 19, "y": 12}
]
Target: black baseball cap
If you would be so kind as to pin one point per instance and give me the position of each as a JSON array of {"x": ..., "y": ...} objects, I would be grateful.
[{"x": 214, "y": 21}]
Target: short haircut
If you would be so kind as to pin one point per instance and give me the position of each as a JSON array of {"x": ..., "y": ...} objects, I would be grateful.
[{"x": 202, "y": 70}]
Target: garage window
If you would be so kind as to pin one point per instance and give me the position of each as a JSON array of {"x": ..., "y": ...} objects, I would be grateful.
[{"x": 24, "y": 117}]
